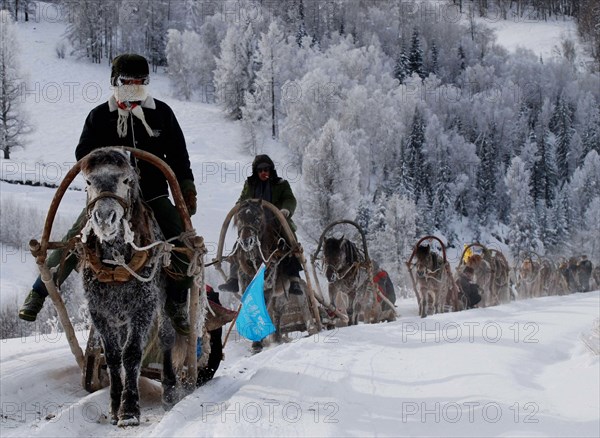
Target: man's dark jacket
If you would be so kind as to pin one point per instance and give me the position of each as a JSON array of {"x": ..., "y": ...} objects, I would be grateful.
[{"x": 100, "y": 129}]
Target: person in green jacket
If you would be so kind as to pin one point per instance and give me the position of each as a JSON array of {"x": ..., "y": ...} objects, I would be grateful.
[{"x": 264, "y": 183}]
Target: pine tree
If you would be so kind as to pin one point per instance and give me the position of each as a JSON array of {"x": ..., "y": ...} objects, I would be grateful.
[
  {"x": 561, "y": 126},
  {"x": 434, "y": 59},
  {"x": 417, "y": 168},
  {"x": 543, "y": 177},
  {"x": 13, "y": 124},
  {"x": 523, "y": 230},
  {"x": 486, "y": 176},
  {"x": 402, "y": 66},
  {"x": 415, "y": 57},
  {"x": 462, "y": 58}
]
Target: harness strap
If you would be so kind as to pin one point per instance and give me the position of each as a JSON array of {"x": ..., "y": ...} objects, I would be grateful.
[
  {"x": 102, "y": 195},
  {"x": 118, "y": 274}
]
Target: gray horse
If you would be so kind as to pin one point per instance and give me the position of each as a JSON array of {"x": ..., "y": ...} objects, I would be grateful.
[{"x": 124, "y": 300}]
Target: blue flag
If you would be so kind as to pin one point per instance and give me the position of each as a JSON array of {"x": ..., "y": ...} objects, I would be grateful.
[{"x": 253, "y": 321}]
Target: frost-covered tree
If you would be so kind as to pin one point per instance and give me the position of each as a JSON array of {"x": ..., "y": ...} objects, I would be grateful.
[
  {"x": 13, "y": 122},
  {"x": 487, "y": 174},
  {"x": 523, "y": 229},
  {"x": 561, "y": 126},
  {"x": 402, "y": 66},
  {"x": 185, "y": 54},
  {"x": 415, "y": 57},
  {"x": 274, "y": 55},
  {"x": 391, "y": 244},
  {"x": 235, "y": 69},
  {"x": 330, "y": 173}
]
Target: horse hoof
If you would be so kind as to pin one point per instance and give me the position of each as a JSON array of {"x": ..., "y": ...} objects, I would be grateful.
[
  {"x": 128, "y": 420},
  {"x": 169, "y": 397},
  {"x": 257, "y": 347}
]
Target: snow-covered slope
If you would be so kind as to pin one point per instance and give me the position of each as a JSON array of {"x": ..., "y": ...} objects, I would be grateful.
[{"x": 512, "y": 370}]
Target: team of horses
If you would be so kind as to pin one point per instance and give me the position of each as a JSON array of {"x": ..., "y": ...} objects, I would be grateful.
[
  {"x": 496, "y": 281},
  {"x": 124, "y": 281}
]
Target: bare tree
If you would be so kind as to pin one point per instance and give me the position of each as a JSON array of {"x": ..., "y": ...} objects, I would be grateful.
[{"x": 12, "y": 120}]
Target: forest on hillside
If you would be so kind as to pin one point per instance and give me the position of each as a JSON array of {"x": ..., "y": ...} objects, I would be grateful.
[{"x": 406, "y": 116}]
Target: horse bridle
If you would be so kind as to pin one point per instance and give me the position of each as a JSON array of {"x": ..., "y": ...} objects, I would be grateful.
[{"x": 103, "y": 195}]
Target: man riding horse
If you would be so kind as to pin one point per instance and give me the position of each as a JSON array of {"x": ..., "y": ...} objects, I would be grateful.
[
  {"x": 264, "y": 183},
  {"x": 132, "y": 117}
]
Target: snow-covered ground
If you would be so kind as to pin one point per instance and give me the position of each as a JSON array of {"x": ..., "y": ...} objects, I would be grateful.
[{"x": 513, "y": 370}]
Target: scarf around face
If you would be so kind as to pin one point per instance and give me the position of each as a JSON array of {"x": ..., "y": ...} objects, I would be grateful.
[{"x": 126, "y": 97}]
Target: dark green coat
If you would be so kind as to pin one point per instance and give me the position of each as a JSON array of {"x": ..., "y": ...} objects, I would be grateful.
[{"x": 281, "y": 195}]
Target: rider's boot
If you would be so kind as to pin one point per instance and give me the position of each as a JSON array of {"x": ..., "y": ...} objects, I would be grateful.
[
  {"x": 34, "y": 302},
  {"x": 231, "y": 285}
]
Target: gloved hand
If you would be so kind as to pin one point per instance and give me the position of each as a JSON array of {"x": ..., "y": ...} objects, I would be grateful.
[
  {"x": 190, "y": 202},
  {"x": 285, "y": 212}
]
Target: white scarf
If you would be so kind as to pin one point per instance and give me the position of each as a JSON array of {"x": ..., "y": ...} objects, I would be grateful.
[{"x": 124, "y": 94}]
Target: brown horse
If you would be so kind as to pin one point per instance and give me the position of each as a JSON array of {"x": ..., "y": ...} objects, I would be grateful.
[
  {"x": 433, "y": 284},
  {"x": 491, "y": 275},
  {"x": 528, "y": 281},
  {"x": 261, "y": 240},
  {"x": 351, "y": 288}
]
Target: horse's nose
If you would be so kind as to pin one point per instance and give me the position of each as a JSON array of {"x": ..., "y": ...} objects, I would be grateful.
[{"x": 107, "y": 217}]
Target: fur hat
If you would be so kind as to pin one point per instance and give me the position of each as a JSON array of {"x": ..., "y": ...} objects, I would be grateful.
[
  {"x": 129, "y": 66},
  {"x": 263, "y": 159}
]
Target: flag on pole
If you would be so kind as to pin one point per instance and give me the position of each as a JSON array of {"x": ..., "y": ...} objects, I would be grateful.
[{"x": 253, "y": 321}]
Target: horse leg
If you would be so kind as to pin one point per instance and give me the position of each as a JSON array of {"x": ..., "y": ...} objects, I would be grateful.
[
  {"x": 167, "y": 337},
  {"x": 112, "y": 354},
  {"x": 129, "y": 414}
]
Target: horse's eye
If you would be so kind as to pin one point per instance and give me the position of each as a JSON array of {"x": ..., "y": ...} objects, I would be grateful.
[
  {"x": 126, "y": 181},
  {"x": 88, "y": 182}
]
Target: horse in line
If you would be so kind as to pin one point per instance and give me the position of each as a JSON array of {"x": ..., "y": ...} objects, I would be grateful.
[
  {"x": 260, "y": 240},
  {"x": 351, "y": 287},
  {"x": 123, "y": 306}
]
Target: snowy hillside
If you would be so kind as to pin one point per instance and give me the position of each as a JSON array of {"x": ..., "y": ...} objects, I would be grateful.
[
  {"x": 511, "y": 370},
  {"x": 519, "y": 369}
]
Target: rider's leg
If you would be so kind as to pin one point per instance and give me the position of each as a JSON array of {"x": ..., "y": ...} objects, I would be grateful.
[
  {"x": 35, "y": 299},
  {"x": 171, "y": 225},
  {"x": 291, "y": 267},
  {"x": 232, "y": 283}
]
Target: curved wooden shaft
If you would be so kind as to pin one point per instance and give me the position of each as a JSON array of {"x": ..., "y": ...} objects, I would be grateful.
[
  {"x": 468, "y": 247},
  {"x": 419, "y": 243},
  {"x": 333, "y": 224},
  {"x": 74, "y": 171}
]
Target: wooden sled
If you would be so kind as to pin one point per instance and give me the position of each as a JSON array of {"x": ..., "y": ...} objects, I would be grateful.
[{"x": 91, "y": 362}]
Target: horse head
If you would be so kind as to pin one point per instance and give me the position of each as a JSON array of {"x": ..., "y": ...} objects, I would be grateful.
[
  {"x": 112, "y": 189},
  {"x": 424, "y": 261},
  {"x": 339, "y": 256},
  {"x": 250, "y": 221}
]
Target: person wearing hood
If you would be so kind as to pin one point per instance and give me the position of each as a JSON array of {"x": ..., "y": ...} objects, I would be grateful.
[
  {"x": 264, "y": 183},
  {"x": 132, "y": 117}
]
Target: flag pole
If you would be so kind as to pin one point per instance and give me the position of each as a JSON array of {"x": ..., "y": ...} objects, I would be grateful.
[{"x": 231, "y": 325}]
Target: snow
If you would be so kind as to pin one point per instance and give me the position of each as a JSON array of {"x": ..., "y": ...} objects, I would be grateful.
[{"x": 513, "y": 370}]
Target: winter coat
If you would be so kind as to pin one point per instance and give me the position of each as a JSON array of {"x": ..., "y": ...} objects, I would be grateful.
[
  {"x": 469, "y": 290},
  {"x": 279, "y": 193},
  {"x": 100, "y": 129},
  {"x": 383, "y": 281}
]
